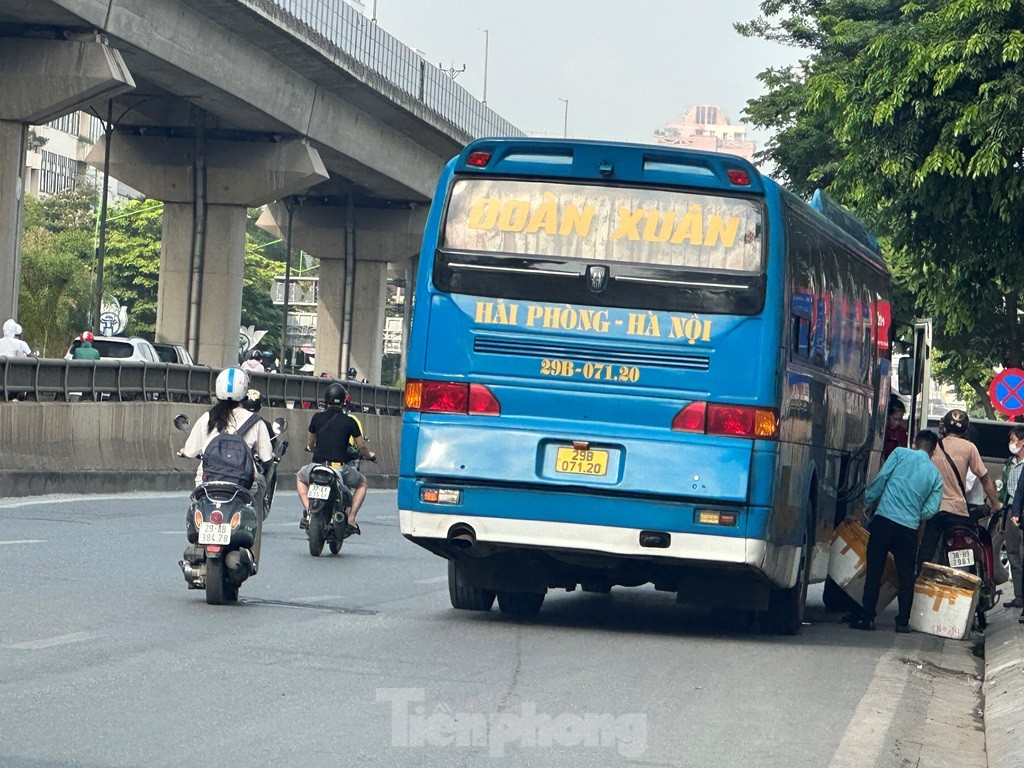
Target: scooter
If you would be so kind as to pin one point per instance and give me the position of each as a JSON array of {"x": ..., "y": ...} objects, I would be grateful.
[
  {"x": 330, "y": 502},
  {"x": 222, "y": 525},
  {"x": 967, "y": 546}
]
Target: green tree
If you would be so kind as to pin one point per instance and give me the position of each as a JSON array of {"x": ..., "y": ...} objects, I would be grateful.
[
  {"x": 132, "y": 263},
  {"x": 912, "y": 117},
  {"x": 54, "y": 292}
]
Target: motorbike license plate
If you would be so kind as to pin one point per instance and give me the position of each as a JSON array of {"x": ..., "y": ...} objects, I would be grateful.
[
  {"x": 211, "y": 533},
  {"x": 319, "y": 491},
  {"x": 571, "y": 461},
  {"x": 961, "y": 558}
]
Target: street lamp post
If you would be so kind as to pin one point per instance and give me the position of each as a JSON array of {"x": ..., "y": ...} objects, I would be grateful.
[
  {"x": 565, "y": 123},
  {"x": 487, "y": 45}
]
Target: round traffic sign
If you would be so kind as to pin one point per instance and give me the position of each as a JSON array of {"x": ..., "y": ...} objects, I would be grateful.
[{"x": 1007, "y": 391}]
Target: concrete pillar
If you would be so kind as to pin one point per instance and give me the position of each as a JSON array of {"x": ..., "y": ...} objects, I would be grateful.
[
  {"x": 220, "y": 294},
  {"x": 41, "y": 80},
  {"x": 371, "y": 290},
  {"x": 13, "y": 137},
  {"x": 330, "y": 313},
  {"x": 382, "y": 236},
  {"x": 228, "y": 176}
]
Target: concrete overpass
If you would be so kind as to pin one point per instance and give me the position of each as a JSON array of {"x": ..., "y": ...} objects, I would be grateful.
[{"x": 222, "y": 104}]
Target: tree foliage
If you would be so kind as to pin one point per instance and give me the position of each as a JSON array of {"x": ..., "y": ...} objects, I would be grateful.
[
  {"x": 912, "y": 114},
  {"x": 59, "y": 258}
]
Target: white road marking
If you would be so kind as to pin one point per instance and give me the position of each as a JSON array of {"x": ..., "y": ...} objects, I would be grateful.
[
  {"x": 33, "y": 501},
  {"x": 51, "y": 642},
  {"x": 435, "y": 580},
  {"x": 24, "y": 541},
  {"x": 864, "y": 740}
]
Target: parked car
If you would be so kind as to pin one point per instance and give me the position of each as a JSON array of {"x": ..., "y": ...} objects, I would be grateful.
[
  {"x": 173, "y": 353},
  {"x": 120, "y": 348}
]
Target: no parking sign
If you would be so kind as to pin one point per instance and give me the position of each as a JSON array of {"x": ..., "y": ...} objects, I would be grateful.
[{"x": 1007, "y": 391}]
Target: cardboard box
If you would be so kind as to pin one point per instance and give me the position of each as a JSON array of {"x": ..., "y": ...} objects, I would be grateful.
[
  {"x": 848, "y": 564},
  {"x": 944, "y": 602}
]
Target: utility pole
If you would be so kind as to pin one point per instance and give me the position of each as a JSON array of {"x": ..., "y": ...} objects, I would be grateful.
[
  {"x": 565, "y": 124},
  {"x": 101, "y": 251},
  {"x": 487, "y": 45}
]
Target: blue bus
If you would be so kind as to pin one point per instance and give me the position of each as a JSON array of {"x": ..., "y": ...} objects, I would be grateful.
[{"x": 632, "y": 364}]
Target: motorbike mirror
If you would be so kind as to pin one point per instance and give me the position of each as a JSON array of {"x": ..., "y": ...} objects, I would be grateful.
[
  {"x": 181, "y": 422},
  {"x": 280, "y": 425}
]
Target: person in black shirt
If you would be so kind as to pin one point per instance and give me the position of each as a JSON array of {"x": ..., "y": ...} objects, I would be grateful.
[{"x": 331, "y": 432}]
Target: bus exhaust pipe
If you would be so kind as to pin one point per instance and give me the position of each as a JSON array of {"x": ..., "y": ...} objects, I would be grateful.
[{"x": 462, "y": 537}]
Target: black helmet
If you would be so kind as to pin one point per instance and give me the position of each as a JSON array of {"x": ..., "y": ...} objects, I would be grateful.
[
  {"x": 252, "y": 401},
  {"x": 351, "y": 373},
  {"x": 255, "y": 355},
  {"x": 955, "y": 422},
  {"x": 336, "y": 394}
]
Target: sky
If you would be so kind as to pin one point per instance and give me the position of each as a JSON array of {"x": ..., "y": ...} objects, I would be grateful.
[{"x": 627, "y": 69}]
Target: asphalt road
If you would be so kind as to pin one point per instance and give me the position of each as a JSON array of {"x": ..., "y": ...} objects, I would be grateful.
[{"x": 107, "y": 660}]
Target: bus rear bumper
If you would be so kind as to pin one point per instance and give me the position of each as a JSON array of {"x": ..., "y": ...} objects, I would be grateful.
[{"x": 778, "y": 563}]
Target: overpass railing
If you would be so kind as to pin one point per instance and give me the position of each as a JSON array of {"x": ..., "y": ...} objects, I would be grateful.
[
  {"x": 345, "y": 34},
  {"x": 62, "y": 380}
]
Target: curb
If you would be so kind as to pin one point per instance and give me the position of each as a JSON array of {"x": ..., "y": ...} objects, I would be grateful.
[{"x": 1003, "y": 690}]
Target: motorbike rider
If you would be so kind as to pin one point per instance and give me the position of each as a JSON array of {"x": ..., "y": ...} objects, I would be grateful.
[
  {"x": 254, "y": 362},
  {"x": 953, "y": 458},
  {"x": 85, "y": 350},
  {"x": 330, "y": 433},
  {"x": 227, "y": 415}
]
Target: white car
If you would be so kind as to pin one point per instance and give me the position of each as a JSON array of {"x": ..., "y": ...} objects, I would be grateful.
[{"x": 131, "y": 349}]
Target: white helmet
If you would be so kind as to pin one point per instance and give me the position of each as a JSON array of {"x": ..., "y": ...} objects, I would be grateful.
[{"x": 232, "y": 384}]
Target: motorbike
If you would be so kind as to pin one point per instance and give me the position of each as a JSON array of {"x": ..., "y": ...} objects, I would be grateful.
[
  {"x": 330, "y": 502},
  {"x": 222, "y": 525},
  {"x": 967, "y": 546}
]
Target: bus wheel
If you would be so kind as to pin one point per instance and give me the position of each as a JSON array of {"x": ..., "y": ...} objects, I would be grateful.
[
  {"x": 786, "y": 606},
  {"x": 464, "y": 597},
  {"x": 520, "y": 604}
]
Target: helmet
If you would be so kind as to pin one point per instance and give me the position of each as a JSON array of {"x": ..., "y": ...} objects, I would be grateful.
[
  {"x": 955, "y": 422},
  {"x": 351, "y": 373},
  {"x": 337, "y": 395},
  {"x": 232, "y": 384},
  {"x": 87, "y": 336},
  {"x": 255, "y": 355},
  {"x": 253, "y": 401}
]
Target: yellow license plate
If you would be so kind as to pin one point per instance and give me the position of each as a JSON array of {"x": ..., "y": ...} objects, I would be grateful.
[{"x": 571, "y": 461}]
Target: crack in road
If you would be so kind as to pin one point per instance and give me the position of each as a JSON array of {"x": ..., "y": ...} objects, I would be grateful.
[{"x": 307, "y": 606}]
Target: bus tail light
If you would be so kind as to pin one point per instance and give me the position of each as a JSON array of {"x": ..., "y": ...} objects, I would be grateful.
[
  {"x": 728, "y": 420},
  {"x": 739, "y": 177},
  {"x": 451, "y": 397},
  {"x": 478, "y": 159}
]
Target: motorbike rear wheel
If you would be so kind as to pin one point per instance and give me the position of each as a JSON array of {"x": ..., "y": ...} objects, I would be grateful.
[
  {"x": 316, "y": 534},
  {"x": 218, "y": 591}
]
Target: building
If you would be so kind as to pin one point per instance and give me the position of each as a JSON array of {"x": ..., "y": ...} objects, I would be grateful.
[
  {"x": 706, "y": 127},
  {"x": 55, "y": 161}
]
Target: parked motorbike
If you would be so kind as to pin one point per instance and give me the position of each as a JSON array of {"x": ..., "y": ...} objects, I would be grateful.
[
  {"x": 222, "y": 526},
  {"x": 330, "y": 502},
  {"x": 967, "y": 546}
]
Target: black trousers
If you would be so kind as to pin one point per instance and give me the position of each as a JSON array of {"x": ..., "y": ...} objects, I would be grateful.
[
  {"x": 888, "y": 536},
  {"x": 934, "y": 531}
]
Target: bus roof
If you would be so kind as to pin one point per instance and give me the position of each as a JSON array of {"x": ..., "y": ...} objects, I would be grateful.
[{"x": 610, "y": 161}]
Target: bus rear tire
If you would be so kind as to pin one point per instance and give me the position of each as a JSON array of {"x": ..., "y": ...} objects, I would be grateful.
[
  {"x": 785, "y": 613},
  {"x": 466, "y": 598},
  {"x": 520, "y": 604}
]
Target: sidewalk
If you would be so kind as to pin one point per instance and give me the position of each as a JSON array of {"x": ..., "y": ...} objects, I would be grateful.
[{"x": 1003, "y": 689}]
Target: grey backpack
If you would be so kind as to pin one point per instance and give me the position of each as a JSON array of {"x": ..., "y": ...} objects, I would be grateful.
[{"x": 228, "y": 458}]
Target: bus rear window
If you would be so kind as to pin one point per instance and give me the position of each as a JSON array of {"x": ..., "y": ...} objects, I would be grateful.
[{"x": 659, "y": 228}]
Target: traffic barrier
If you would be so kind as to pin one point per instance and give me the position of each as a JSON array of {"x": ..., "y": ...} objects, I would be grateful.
[
  {"x": 60, "y": 380},
  {"x": 110, "y": 447}
]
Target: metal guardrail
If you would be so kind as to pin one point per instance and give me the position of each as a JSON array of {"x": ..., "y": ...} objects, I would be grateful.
[
  {"x": 59, "y": 380},
  {"x": 346, "y": 36}
]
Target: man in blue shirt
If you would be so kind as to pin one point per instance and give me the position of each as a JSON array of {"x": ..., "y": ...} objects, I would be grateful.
[{"x": 904, "y": 494}]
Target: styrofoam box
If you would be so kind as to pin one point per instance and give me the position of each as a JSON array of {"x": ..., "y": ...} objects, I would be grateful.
[
  {"x": 944, "y": 601},
  {"x": 848, "y": 564}
]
